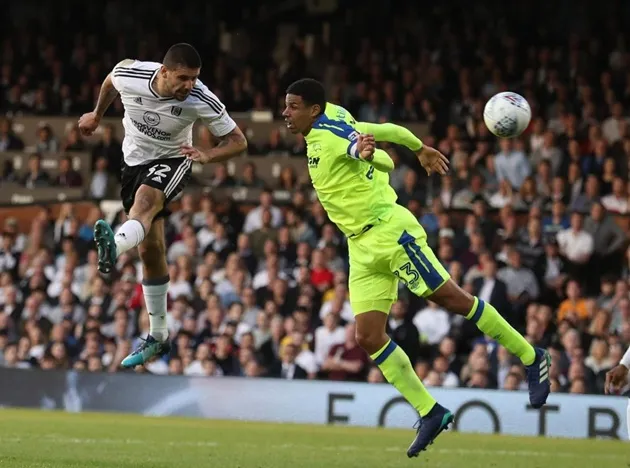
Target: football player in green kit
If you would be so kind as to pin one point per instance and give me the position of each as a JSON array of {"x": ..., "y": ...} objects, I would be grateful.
[{"x": 387, "y": 244}]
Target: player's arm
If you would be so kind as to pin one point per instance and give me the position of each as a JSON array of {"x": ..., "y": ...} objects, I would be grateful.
[
  {"x": 89, "y": 122},
  {"x": 344, "y": 139},
  {"x": 617, "y": 377},
  {"x": 364, "y": 148},
  {"x": 430, "y": 158},
  {"x": 230, "y": 145},
  {"x": 391, "y": 133},
  {"x": 106, "y": 96},
  {"x": 215, "y": 116}
]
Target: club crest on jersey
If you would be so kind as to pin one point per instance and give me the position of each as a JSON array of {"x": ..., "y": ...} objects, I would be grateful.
[
  {"x": 176, "y": 111},
  {"x": 137, "y": 100},
  {"x": 151, "y": 118}
]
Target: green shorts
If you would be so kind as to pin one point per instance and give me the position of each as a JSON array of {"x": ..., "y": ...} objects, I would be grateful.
[{"x": 393, "y": 250}]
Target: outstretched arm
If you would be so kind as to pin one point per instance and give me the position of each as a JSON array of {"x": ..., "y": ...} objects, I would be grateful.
[
  {"x": 430, "y": 158},
  {"x": 391, "y": 133}
]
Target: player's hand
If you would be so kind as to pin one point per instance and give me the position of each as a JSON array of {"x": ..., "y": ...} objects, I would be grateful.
[
  {"x": 432, "y": 160},
  {"x": 616, "y": 379},
  {"x": 195, "y": 154},
  {"x": 88, "y": 123},
  {"x": 366, "y": 145}
]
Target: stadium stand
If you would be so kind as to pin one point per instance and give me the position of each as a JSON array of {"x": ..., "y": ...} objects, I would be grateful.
[{"x": 258, "y": 274}]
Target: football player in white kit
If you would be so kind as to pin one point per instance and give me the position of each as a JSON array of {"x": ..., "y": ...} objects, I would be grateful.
[
  {"x": 617, "y": 379},
  {"x": 162, "y": 101}
]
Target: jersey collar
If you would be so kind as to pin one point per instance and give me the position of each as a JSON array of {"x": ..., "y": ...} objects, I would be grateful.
[
  {"x": 319, "y": 121},
  {"x": 157, "y": 96}
]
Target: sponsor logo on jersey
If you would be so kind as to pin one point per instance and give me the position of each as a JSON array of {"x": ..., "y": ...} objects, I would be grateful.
[
  {"x": 137, "y": 100},
  {"x": 152, "y": 132},
  {"x": 313, "y": 156},
  {"x": 151, "y": 118},
  {"x": 176, "y": 111}
]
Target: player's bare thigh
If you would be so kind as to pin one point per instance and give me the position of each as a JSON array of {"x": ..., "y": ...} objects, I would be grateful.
[{"x": 147, "y": 203}]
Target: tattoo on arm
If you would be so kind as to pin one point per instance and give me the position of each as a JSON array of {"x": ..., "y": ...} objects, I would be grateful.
[
  {"x": 234, "y": 138},
  {"x": 229, "y": 146}
]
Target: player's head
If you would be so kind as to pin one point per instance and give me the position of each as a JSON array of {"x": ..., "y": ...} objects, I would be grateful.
[
  {"x": 180, "y": 69},
  {"x": 305, "y": 101}
]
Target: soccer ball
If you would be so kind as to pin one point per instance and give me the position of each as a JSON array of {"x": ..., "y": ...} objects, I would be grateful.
[{"x": 507, "y": 114}]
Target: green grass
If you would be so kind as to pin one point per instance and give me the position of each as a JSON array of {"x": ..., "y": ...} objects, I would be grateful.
[{"x": 50, "y": 439}]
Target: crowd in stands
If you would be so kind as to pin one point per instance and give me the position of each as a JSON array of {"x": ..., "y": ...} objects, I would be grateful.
[{"x": 264, "y": 293}]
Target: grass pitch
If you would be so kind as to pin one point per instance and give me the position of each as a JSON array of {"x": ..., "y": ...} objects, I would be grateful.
[{"x": 33, "y": 439}]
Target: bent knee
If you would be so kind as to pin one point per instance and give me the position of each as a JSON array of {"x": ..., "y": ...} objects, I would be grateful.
[{"x": 147, "y": 202}]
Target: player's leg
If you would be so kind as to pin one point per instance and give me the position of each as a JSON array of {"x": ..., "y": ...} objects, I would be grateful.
[
  {"x": 442, "y": 290},
  {"x": 146, "y": 190},
  {"x": 155, "y": 283},
  {"x": 371, "y": 325},
  {"x": 373, "y": 290}
]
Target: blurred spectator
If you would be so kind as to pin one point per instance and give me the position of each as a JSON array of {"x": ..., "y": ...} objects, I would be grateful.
[
  {"x": 576, "y": 245},
  {"x": 102, "y": 181},
  {"x": 253, "y": 219},
  {"x": 617, "y": 200},
  {"x": 67, "y": 176},
  {"x": 511, "y": 163},
  {"x": 35, "y": 175},
  {"x": 110, "y": 149},
  {"x": 46, "y": 141},
  {"x": 404, "y": 331},
  {"x": 221, "y": 178},
  {"x": 276, "y": 145},
  {"x": 346, "y": 361},
  {"x": 433, "y": 323},
  {"x": 9, "y": 141},
  {"x": 491, "y": 289},
  {"x": 73, "y": 141},
  {"x": 249, "y": 178},
  {"x": 522, "y": 285},
  {"x": 287, "y": 367}
]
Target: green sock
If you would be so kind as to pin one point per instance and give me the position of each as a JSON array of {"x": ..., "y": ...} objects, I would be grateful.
[
  {"x": 399, "y": 372},
  {"x": 489, "y": 321}
]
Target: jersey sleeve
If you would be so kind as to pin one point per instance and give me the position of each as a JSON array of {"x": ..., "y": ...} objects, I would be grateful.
[
  {"x": 118, "y": 74},
  {"x": 391, "y": 133},
  {"x": 340, "y": 137},
  {"x": 212, "y": 111}
]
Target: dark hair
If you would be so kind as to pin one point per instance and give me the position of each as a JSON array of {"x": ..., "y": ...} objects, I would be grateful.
[
  {"x": 182, "y": 55},
  {"x": 311, "y": 91}
]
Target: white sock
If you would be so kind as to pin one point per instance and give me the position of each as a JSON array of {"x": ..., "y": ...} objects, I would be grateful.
[
  {"x": 128, "y": 236},
  {"x": 155, "y": 298}
]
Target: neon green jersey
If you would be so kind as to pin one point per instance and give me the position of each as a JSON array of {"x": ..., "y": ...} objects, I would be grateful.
[{"x": 352, "y": 191}]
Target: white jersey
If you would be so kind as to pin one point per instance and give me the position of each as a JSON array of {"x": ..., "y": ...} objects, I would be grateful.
[{"x": 157, "y": 127}]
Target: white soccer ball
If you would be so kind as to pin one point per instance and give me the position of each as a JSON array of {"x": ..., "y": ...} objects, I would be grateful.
[{"x": 507, "y": 114}]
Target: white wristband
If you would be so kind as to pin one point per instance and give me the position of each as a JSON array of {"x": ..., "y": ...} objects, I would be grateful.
[
  {"x": 353, "y": 151},
  {"x": 625, "y": 360}
]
